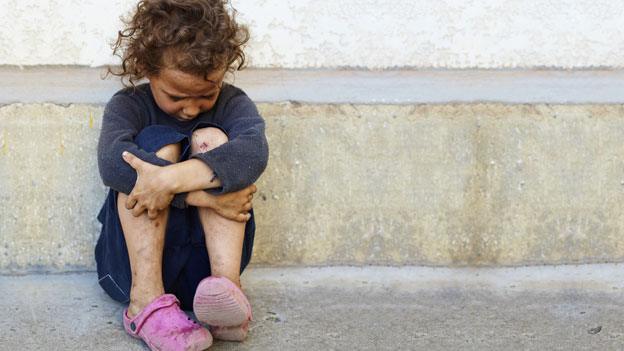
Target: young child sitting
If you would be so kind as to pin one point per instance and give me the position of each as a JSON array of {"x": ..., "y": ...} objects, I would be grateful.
[{"x": 180, "y": 155}]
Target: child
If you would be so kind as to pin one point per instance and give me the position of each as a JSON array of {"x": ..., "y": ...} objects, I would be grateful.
[{"x": 180, "y": 155}]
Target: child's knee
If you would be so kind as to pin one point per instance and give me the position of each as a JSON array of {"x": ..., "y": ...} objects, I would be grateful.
[
  {"x": 206, "y": 139},
  {"x": 170, "y": 152}
]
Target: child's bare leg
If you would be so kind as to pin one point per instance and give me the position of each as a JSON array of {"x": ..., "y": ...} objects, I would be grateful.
[
  {"x": 224, "y": 240},
  {"x": 145, "y": 239},
  {"x": 224, "y": 237}
]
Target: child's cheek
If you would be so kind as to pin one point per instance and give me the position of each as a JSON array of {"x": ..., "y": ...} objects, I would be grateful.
[{"x": 169, "y": 108}]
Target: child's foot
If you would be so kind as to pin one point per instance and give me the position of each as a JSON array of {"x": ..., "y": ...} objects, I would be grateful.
[
  {"x": 163, "y": 326},
  {"x": 222, "y": 305}
]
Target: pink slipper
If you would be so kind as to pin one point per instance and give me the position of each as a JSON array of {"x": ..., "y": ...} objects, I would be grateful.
[
  {"x": 222, "y": 305},
  {"x": 237, "y": 333},
  {"x": 165, "y": 327}
]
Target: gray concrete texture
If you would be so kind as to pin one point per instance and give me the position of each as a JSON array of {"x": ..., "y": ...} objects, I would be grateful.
[
  {"x": 65, "y": 85},
  {"x": 343, "y": 308},
  {"x": 452, "y": 184}
]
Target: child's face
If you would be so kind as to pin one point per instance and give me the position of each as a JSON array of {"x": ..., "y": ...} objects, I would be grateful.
[{"x": 184, "y": 96}]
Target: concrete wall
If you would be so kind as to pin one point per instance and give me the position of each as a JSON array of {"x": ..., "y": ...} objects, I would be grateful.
[
  {"x": 490, "y": 34},
  {"x": 505, "y": 165},
  {"x": 432, "y": 184}
]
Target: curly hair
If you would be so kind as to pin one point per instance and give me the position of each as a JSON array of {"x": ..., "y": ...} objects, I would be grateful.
[{"x": 193, "y": 36}]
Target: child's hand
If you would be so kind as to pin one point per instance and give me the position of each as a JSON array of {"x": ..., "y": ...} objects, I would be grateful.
[
  {"x": 235, "y": 206},
  {"x": 150, "y": 192}
]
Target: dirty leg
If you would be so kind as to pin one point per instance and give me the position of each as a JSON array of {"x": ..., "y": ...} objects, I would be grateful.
[
  {"x": 224, "y": 237},
  {"x": 145, "y": 240}
]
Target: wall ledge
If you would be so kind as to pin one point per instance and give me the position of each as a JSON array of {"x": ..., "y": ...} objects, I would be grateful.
[{"x": 84, "y": 85}]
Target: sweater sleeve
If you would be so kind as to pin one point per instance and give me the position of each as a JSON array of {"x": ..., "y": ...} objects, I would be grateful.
[
  {"x": 239, "y": 162},
  {"x": 121, "y": 122}
]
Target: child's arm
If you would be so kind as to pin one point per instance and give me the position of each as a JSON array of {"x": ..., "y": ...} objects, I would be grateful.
[
  {"x": 228, "y": 168},
  {"x": 234, "y": 206},
  {"x": 154, "y": 191},
  {"x": 234, "y": 165},
  {"x": 121, "y": 122},
  {"x": 156, "y": 186},
  {"x": 239, "y": 162}
]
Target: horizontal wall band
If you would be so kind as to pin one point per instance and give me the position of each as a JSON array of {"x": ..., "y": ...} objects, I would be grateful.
[
  {"x": 65, "y": 85},
  {"x": 435, "y": 185}
]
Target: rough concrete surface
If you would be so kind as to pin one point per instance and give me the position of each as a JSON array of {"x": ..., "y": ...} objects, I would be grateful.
[
  {"x": 452, "y": 184},
  {"x": 342, "y": 308},
  {"x": 377, "y": 34}
]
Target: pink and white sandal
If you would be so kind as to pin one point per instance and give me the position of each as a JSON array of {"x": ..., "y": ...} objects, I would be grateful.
[
  {"x": 224, "y": 307},
  {"x": 163, "y": 326}
]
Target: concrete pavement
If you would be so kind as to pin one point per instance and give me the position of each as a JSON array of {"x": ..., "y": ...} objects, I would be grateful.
[{"x": 348, "y": 308}]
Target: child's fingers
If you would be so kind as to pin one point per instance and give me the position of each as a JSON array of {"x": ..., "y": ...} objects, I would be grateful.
[
  {"x": 242, "y": 217},
  {"x": 249, "y": 190},
  {"x": 130, "y": 202},
  {"x": 234, "y": 217},
  {"x": 152, "y": 214},
  {"x": 130, "y": 159},
  {"x": 228, "y": 214},
  {"x": 138, "y": 210}
]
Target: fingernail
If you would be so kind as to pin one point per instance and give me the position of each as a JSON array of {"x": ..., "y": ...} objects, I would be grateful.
[{"x": 125, "y": 153}]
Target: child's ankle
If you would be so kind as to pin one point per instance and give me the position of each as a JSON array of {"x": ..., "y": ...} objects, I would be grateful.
[
  {"x": 134, "y": 309},
  {"x": 233, "y": 279},
  {"x": 138, "y": 304}
]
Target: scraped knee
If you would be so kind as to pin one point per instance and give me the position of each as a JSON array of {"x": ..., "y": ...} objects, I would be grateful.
[{"x": 206, "y": 139}]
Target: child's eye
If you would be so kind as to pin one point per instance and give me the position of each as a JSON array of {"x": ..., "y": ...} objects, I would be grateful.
[{"x": 180, "y": 98}]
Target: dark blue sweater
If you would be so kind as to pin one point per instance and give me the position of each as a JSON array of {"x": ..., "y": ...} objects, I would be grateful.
[{"x": 237, "y": 163}]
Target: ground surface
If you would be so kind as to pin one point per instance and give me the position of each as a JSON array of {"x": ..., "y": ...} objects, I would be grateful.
[{"x": 344, "y": 308}]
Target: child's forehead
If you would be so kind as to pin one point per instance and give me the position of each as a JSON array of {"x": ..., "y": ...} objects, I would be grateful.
[{"x": 189, "y": 83}]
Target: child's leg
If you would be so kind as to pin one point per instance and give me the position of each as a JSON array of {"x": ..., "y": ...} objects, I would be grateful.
[
  {"x": 224, "y": 237},
  {"x": 224, "y": 240},
  {"x": 145, "y": 239}
]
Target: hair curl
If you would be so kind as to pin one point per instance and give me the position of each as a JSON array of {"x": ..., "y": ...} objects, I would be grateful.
[{"x": 193, "y": 36}]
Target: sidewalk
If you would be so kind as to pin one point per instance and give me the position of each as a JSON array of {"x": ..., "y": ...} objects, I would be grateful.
[{"x": 346, "y": 308}]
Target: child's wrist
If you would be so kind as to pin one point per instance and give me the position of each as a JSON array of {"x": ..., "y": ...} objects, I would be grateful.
[
  {"x": 200, "y": 198},
  {"x": 191, "y": 199},
  {"x": 170, "y": 181},
  {"x": 210, "y": 199}
]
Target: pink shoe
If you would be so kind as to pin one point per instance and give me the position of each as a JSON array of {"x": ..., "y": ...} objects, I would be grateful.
[
  {"x": 222, "y": 305},
  {"x": 164, "y": 327},
  {"x": 237, "y": 333}
]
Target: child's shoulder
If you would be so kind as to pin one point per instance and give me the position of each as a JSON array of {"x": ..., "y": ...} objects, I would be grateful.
[
  {"x": 231, "y": 95},
  {"x": 229, "y": 91},
  {"x": 234, "y": 102},
  {"x": 131, "y": 99},
  {"x": 139, "y": 92}
]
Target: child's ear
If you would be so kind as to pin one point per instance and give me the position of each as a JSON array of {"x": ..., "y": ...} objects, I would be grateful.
[{"x": 151, "y": 77}]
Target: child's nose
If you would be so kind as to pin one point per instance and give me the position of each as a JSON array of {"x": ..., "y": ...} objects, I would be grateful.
[{"x": 191, "y": 111}]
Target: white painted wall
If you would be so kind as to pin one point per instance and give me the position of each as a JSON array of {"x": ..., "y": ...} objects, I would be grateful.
[{"x": 373, "y": 34}]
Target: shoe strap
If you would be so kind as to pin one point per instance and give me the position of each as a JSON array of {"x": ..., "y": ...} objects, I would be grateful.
[{"x": 134, "y": 325}]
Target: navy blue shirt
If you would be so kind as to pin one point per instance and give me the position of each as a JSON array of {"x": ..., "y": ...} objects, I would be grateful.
[{"x": 237, "y": 163}]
